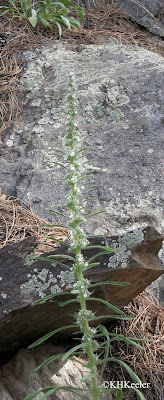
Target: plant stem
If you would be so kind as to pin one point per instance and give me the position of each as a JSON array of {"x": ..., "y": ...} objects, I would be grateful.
[{"x": 76, "y": 172}]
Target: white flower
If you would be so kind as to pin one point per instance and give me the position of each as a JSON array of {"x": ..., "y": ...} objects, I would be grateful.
[{"x": 79, "y": 258}]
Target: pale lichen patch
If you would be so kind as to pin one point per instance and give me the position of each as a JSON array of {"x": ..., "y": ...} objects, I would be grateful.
[
  {"x": 40, "y": 281},
  {"x": 121, "y": 248},
  {"x": 67, "y": 278},
  {"x": 30, "y": 258},
  {"x": 4, "y": 295}
]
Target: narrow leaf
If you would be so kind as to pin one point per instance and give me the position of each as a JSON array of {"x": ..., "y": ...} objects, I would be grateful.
[
  {"x": 53, "y": 261},
  {"x": 104, "y": 331},
  {"x": 119, "y": 395},
  {"x": 107, "y": 304},
  {"x": 51, "y": 391},
  {"x": 92, "y": 215},
  {"x": 81, "y": 15},
  {"x": 33, "y": 395},
  {"x": 51, "y": 296},
  {"x": 65, "y": 303},
  {"x": 45, "y": 337},
  {"x": 99, "y": 247},
  {"x": 48, "y": 361},
  {"x": 128, "y": 369},
  {"x": 141, "y": 396},
  {"x": 59, "y": 4},
  {"x": 87, "y": 377},
  {"x": 58, "y": 213},
  {"x": 71, "y": 351},
  {"x": 62, "y": 256},
  {"x": 97, "y": 255},
  {"x": 112, "y": 283},
  {"x": 127, "y": 340},
  {"x": 122, "y": 317},
  {"x": 66, "y": 22},
  {"x": 92, "y": 265},
  {"x": 56, "y": 240},
  {"x": 44, "y": 22}
]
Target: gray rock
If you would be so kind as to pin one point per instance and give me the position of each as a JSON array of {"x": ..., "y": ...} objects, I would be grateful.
[
  {"x": 120, "y": 115},
  {"x": 148, "y": 13}
]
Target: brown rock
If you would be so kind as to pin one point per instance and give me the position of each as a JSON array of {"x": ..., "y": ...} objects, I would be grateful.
[{"x": 25, "y": 279}]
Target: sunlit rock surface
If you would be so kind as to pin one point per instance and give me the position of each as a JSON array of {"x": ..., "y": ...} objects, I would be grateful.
[{"x": 120, "y": 116}]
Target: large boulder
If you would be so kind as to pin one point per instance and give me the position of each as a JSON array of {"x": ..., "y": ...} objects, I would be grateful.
[
  {"x": 148, "y": 13},
  {"x": 25, "y": 279},
  {"x": 17, "y": 380},
  {"x": 120, "y": 115}
]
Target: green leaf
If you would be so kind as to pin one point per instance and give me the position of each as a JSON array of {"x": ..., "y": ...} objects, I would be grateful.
[
  {"x": 68, "y": 3},
  {"x": 87, "y": 377},
  {"x": 6, "y": 10},
  {"x": 122, "y": 317},
  {"x": 56, "y": 240},
  {"x": 92, "y": 265},
  {"x": 55, "y": 389},
  {"x": 81, "y": 15},
  {"x": 51, "y": 391},
  {"x": 71, "y": 351},
  {"x": 73, "y": 390},
  {"x": 58, "y": 213},
  {"x": 13, "y": 3},
  {"x": 83, "y": 149},
  {"x": 97, "y": 255},
  {"x": 104, "y": 332},
  {"x": 59, "y": 4},
  {"x": 54, "y": 261},
  {"x": 109, "y": 283},
  {"x": 61, "y": 165},
  {"x": 119, "y": 395},
  {"x": 141, "y": 396},
  {"x": 90, "y": 187},
  {"x": 65, "y": 303},
  {"x": 44, "y": 22},
  {"x": 83, "y": 177},
  {"x": 62, "y": 256},
  {"x": 107, "y": 304},
  {"x": 33, "y": 18},
  {"x": 128, "y": 369},
  {"x": 33, "y": 395},
  {"x": 120, "y": 337},
  {"x": 66, "y": 22},
  {"x": 127, "y": 340},
  {"x": 45, "y": 337},
  {"x": 108, "y": 249},
  {"x": 92, "y": 215},
  {"x": 51, "y": 296},
  {"x": 48, "y": 361}
]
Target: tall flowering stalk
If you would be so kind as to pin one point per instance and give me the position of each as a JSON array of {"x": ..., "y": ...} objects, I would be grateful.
[
  {"x": 77, "y": 171},
  {"x": 76, "y": 166}
]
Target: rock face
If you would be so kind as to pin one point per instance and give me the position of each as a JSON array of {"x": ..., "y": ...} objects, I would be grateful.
[
  {"x": 25, "y": 279},
  {"x": 17, "y": 380},
  {"x": 120, "y": 115},
  {"x": 148, "y": 13}
]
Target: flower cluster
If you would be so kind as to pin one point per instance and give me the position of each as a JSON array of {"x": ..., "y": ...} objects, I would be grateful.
[{"x": 82, "y": 315}]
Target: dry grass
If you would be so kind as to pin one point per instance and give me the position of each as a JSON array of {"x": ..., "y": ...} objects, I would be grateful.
[
  {"x": 148, "y": 363},
  {"x": 18, "y": 222},
  {"x": 104, "y": 23}
]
